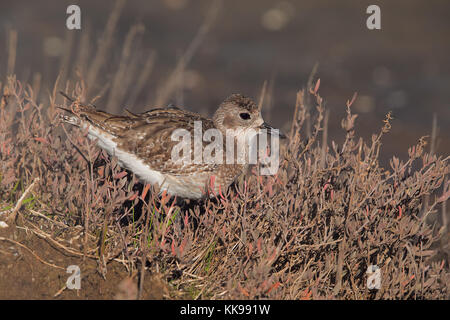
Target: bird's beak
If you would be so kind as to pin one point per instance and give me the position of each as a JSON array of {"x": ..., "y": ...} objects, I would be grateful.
[{"x": 270, "y": 128}]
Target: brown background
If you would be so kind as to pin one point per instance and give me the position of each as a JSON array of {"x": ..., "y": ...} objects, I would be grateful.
[{"x": 404, "y": 67}]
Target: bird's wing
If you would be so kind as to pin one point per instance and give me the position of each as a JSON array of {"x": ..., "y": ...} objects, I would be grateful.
[{"x": 150, "y": 137}]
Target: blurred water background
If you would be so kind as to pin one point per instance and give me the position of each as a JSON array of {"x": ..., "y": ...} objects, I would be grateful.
[{"x": 234, "y": 46}]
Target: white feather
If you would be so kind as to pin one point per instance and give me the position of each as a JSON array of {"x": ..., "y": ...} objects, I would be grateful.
[{"x": 185, "y": 187}]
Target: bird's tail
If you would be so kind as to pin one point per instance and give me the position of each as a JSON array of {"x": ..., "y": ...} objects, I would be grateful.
[
  {"x": 71, "y": 119},
  {"x": 76, "y": 111},
  {"x": 79, "y": 114}
]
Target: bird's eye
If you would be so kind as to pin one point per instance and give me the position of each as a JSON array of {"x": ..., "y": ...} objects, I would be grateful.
[{"x": 244, "y": 116}]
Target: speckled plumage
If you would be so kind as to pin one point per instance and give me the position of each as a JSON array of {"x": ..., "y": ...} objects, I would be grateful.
[{"x": 142, "y": 143}]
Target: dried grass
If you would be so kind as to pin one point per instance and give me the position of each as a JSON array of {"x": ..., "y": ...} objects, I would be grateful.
[{"x": 310, "y": 232}]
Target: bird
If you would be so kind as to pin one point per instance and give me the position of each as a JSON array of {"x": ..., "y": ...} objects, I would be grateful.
[{"x": 143, "y": 143}]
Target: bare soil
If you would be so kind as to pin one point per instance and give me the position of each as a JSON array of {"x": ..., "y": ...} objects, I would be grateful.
[{"x": 23, "y": 275}]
